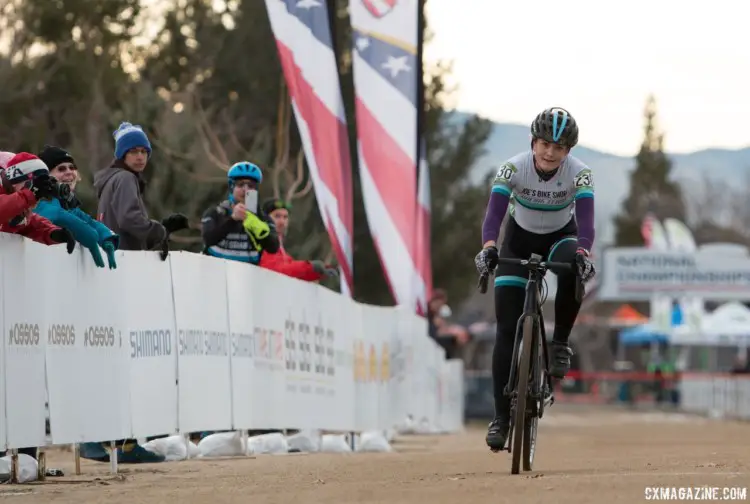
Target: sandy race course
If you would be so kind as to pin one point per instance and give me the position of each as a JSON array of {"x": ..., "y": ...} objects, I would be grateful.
[{"x": 584, "y": 456}]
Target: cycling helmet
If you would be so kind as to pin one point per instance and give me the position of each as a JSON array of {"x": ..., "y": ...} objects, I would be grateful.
[
  {"x": 244, "y": 170},
  {"x": 556, "y": 125}
]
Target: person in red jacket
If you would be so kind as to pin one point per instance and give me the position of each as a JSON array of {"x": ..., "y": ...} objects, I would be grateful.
[
  {"x": 281, "y": 261},
  {"x": 25, "y": 180}
]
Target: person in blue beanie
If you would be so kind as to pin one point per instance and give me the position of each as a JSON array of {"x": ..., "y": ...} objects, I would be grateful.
[
  {"x": 120, "y": 189},
  {"x": 66, "y": 212}
]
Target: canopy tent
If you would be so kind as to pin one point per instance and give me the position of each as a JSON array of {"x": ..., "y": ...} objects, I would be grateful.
[
  {"x": 728, "y": 325},
  {"x": 640, "y": 334},
  {"x": 728, "y": 319},
  {"x": 627, "y": 316}
]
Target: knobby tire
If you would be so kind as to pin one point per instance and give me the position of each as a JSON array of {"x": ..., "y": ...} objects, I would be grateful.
[
  {"x": 532, "y": 423},
  {"x": 521, "y": 393}
]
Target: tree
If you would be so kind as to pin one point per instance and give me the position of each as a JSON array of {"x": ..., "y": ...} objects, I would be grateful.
[{"x": 651, "y": 190}]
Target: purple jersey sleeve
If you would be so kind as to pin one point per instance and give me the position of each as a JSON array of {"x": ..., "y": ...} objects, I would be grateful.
[
  {"x": 585, "y": 220},
  {"x": 495, "y": 214},
  {"x": 584, "y": 198}
]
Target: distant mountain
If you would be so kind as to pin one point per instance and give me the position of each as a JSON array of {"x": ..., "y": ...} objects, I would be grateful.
[{"x": 612, "y": 172}]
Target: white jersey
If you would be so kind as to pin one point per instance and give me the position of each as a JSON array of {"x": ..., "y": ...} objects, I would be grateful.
[{"x": 543, "y": 206}]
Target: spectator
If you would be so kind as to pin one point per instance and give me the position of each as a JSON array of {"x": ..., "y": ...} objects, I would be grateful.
[
  {"x": 65, "y": 211},
  {"x": 25, "y": 181},
  {"x": 449, "y": 336},
  {"x": 230, "y": 230},
  {"x": 120, "y": 189},
  {"x": 281, "y": 261}
]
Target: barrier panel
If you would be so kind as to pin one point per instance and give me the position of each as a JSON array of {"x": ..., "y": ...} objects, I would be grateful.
[
  {"x": 25, "y": 342},
  {"x": 150, "y": 340},
  {"x": 196, "y": 343},
  {"x": 716, "y": 394}
]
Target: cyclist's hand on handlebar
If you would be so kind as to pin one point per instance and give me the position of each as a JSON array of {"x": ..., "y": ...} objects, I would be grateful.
[
  {"x": 584, "y": 265},
  {"x": 486, "y": 260}
]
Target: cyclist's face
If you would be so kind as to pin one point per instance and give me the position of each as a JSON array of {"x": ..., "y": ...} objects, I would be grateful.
[{"x": 547, "y": 155}]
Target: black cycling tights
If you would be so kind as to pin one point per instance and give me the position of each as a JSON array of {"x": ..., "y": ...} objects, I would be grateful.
[{"x": 510, "y": 294}]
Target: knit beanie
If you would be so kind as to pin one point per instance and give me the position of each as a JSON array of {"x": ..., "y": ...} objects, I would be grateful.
[
  {"x": 272, "y": 204},
  {"x": 129, "y": 136},
  {"x": 55, "y": 156},
  {"x": 23, "y": 166}
]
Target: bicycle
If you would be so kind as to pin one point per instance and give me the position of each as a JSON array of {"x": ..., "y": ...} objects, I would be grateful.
[{"x": 529, "y": 371}]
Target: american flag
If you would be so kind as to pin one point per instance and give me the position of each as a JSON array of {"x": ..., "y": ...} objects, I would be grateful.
[
  {"x": 379, "y": 8},
  {"x": 386, "y": 73},
  {"x": 304, "y": 42}
]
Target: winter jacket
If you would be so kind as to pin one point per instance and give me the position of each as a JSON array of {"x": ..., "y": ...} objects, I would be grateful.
[
  {"x": 86, "y": 231},
  {"x": 244, "y": 241},
  {"x": 282, "y": 262},
  {"x": 121, "y": 208},
  {"x": 32, "y": 226}
]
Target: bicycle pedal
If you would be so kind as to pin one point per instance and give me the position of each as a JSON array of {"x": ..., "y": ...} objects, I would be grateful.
[{"x": 549, "y": 401}]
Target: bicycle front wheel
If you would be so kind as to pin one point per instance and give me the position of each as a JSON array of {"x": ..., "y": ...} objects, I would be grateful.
[
  {"x": 522, "y": 391},
  {"x": 538, "y": 383}
]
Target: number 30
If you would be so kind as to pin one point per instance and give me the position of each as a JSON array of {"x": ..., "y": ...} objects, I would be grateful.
[{"x": 504, "y": 173}]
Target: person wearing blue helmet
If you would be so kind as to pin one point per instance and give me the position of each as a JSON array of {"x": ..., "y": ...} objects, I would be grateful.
[{"x": 230, "y": 230}]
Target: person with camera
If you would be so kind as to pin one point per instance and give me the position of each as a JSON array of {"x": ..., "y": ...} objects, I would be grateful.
[
  {"x": 232, "y": 230},
  {"x": 120, "y": 188},
  {"x": 63, "y": 210},
  {"x": 26, "y": 181}
]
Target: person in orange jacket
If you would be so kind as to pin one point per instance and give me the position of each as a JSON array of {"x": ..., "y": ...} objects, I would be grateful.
[
  {"x": 281, "y": 261},
  {"x": 24, "y": 181}
]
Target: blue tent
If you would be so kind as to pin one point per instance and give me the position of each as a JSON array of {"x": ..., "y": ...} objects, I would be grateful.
[{"x": 641, "y": 334}]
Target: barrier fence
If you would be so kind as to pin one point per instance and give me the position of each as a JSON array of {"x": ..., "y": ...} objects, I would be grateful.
[
  {"x": 196, "y": 343},
  {"x": 716, "y": 394}
]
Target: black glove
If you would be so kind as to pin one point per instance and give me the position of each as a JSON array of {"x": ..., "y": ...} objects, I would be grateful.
[
  {"x": 486, "y": 260},
  {"x": 62, "y": 235},
  {"x": 584, "y": 266},
  {"x": 175, "y": 222},
  {"x": 43, "y": 187},
  {"x": 164, "y": 249}
]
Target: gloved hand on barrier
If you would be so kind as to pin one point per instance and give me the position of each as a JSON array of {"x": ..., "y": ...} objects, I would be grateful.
[
  {"x": 324, "y": 269},
  {"x": 175, "y": 222},
  {"x": 62, "y": 235},
  {"x": 109, "y": 249}
]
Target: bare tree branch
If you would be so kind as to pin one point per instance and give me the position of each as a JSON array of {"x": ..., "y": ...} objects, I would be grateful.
[
  {"x": 292, "y": 191},
  {"x": 209, "y": 139}
]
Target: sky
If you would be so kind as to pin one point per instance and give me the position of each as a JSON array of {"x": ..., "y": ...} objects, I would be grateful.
[{"x": 600, "y": 60}]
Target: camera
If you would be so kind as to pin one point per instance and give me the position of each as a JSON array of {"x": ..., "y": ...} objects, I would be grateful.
[
  {"x": 60, "y": 191},
  {"x": 64, "y": 194}
]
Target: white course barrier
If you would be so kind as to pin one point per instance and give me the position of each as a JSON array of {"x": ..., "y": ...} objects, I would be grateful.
[
  {"x": 196, "y": 343},
  {"x": 717, "y": 395}
]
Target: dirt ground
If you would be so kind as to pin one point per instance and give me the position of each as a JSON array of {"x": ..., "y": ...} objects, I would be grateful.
[{"x": 585, "y": 455}]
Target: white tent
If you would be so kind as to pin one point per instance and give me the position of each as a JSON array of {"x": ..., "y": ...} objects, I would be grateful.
[{"x": 729, "y": 324}]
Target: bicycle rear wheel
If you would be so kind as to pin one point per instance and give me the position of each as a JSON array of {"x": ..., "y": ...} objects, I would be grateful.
[{"x": 521, "y": 393}]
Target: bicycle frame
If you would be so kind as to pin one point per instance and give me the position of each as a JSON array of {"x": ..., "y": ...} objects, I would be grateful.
[{"x": 531, "y": 308}]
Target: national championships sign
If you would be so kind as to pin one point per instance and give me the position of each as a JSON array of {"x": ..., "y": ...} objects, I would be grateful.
[{"x": 636, "y": 274}]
